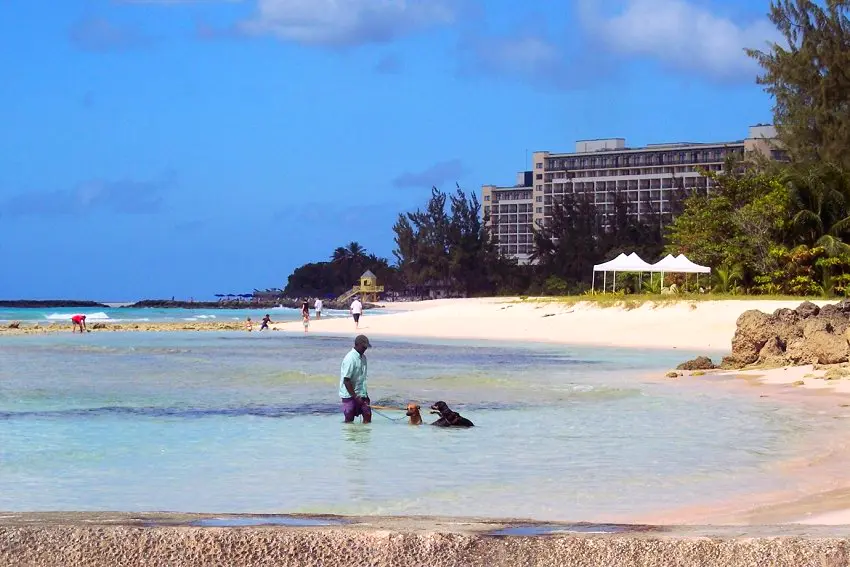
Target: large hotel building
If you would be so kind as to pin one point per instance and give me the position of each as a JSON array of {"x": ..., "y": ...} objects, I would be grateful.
[{"x": 648, "y": 179}]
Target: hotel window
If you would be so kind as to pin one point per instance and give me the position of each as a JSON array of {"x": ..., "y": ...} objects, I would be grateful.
[
  {"x": 539, "y": 176},
  {"x": 538, "y": 165},
  {"x": 539, "y": 210},
  {"x": 486, "y": 197},
  {"x": 539, "y": 199},
  {"x": 538, "y": 188}
]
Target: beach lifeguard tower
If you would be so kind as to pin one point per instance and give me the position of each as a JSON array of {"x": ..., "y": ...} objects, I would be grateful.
[{"x": 368, "y": 289}]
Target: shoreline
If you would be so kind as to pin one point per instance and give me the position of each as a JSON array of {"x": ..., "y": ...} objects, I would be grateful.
[{"x": 820, "y": 494}]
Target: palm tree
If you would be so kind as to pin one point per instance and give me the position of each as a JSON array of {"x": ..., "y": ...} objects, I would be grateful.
[
  {"x": 726, "y": 278},
  {"x": 355, "y": 251},
  {"x": 821, "y": 196}
]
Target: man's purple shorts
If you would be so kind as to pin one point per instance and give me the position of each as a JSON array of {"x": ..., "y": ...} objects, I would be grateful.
[{"x": 352, "y": 407}]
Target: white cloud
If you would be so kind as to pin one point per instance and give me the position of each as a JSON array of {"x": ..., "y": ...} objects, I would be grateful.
[
  {"x": 680, "y": 34},
  {"x": 533, "y": 59},
  {"x": 347, "y": 22}
]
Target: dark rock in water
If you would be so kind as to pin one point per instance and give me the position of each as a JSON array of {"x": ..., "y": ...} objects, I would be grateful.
[
  {"x": 731, "y": 362},
  {"x": 15, "y": 325},
  {"x": 99, "y": 326},
  {"x": 49, "y": 303},
  {"x": 699, "y": 363}
]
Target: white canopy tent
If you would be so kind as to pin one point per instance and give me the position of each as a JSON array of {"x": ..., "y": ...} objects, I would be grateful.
[
  {"x": 622, "y": 263},
  {"x": 679, "y": 265},
  {"x": 634, "y": 263},
  {"x": 683, "y": 264}
]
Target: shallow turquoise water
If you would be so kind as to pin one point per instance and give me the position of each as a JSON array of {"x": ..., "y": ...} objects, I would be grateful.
[
  {"x": 231, "y": 422},
  {"x": 127, "y": 314}
]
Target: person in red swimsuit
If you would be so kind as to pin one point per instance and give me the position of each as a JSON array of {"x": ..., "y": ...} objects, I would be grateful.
[{"x": 78, "y": 321}]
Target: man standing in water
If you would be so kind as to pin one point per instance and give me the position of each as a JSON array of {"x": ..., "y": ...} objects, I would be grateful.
[{"x": 352, "y": 382}]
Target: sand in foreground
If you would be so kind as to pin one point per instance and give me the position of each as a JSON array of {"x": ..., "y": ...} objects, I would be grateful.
[{"x": 114, "y": 540}]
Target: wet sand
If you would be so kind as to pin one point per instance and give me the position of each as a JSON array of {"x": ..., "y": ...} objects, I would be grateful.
[{"x": 28, "y": 328}]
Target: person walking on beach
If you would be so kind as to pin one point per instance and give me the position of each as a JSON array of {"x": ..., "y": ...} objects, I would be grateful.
[
  {"x": 249, "y": 325},
  {"x": 305, "y": 315},
  {"x": 352, "y": 382},
  {"x": 78, "y": 321},
  {"x": 318, "y": 307},
  {"x": 356, "y": 311},
  {"x": 265, "y": 322}
]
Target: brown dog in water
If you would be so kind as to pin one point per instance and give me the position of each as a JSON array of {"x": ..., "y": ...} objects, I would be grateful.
[{"x": 413, "y": 414}]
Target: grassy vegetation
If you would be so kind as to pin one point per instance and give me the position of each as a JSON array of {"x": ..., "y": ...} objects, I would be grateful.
[{"x": 633, "y": 301}]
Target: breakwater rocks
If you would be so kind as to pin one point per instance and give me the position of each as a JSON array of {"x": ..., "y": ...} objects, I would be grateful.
[
  {"x": 401, "y": 542},
  {"x": 806, "y": 335}
]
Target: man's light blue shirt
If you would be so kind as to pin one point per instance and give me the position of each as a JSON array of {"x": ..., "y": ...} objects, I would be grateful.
[{"x": 354, "y": 368}]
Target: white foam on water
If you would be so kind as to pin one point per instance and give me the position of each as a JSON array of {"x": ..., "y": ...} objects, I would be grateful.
[
  {"x": 99, "y": 316},
  {"x": 206, "y": 317}
]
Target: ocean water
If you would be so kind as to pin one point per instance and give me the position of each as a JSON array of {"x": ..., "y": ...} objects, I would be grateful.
[
  {"x": 154, "y": 315},
  {"x": 232, "y": 422}
]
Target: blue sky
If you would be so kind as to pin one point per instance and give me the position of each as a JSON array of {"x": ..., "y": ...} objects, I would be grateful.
[{"x": 158, "y": 148}]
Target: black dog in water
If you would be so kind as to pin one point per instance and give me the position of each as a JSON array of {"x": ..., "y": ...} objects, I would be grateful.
[{"x": 449, "y": 418}]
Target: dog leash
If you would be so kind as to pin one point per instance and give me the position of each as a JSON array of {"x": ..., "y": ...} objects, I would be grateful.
[{"x": 388, "y": 417}]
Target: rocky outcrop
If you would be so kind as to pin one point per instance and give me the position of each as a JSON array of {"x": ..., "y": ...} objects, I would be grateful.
[
  {"x": 699, "y": 363},
  {"x": 805, "y": 335}
]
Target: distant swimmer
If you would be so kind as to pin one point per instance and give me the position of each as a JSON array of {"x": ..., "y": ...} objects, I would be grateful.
[
  {"x": 265, "y": 322},
  {"x": 318, "y": 307},
  {"x": 356, "y": 311},
  {"x": 78, "y": 321}
]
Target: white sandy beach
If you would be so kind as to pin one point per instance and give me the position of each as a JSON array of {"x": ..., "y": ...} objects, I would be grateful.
[{"x": 693, "y": 325}]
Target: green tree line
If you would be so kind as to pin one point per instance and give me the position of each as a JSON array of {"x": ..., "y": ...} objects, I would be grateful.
[{"x": 763, "y": 226}]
